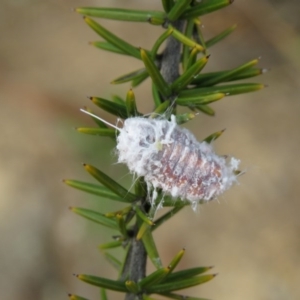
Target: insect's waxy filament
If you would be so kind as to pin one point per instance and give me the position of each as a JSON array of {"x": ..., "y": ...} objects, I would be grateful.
[{"x": 100, "y": 119}]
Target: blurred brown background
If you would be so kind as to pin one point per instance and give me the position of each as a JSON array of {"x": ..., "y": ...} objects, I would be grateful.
[{"x": 47, "y": 68}]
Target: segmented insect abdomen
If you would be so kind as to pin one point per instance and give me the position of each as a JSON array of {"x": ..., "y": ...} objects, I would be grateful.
[
  {"x": 170, "y": 158},
  {"x": 186, "y": 168}
]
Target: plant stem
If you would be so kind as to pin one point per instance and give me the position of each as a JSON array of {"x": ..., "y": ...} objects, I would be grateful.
[
  {"x": 137, "y": 258},
  {"x": 135, "y": 264},
  {"x": 171, "y": 56}
]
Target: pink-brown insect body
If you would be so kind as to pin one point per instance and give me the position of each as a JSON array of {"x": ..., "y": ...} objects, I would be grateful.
[{"x": 169, "y": 157}]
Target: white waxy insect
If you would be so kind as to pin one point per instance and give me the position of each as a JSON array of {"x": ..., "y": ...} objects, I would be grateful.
[{"x": 170, "y": 158}]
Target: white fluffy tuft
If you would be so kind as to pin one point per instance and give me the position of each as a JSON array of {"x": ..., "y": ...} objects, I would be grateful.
[{"x": 170, "y": 158}]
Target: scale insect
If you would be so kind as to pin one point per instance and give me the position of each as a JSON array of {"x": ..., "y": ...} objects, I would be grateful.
[{"x": 170, "y": 158}]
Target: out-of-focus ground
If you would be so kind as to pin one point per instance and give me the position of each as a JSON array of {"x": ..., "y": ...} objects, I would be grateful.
[{"x": 251, "y": 234}]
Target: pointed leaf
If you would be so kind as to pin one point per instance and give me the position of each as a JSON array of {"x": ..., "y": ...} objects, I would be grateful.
[
  {"x": 143, "y": 216},
  {"x": 156, "y": 96},
  {"x": 228, "y": 75},
  {"x": 179, "y": 285},
  {"x": 220, "y": 36},
  {"x": 113, "y": 39},
  {"x": 205, "y": 7},
  {"x": 142, "y": 230},
  {"x": 186, "y": 49},
  {"x": 75, "y": 297},
  {"x": 183, "y": 81},
  {"x": 154, "y": 73},
  {"x": 248, "y": 74},
  {"x": 232, "y": 89},
  {"x": 110, "y": 183},
  {"x": 138, "y": 80},
  {"x": 111, "y": 107},
  {"x": 108, "y": 47},
  {"x": 154, "y": 278},
  {"x": 188, "y": 273},
  {"x": 185, "y": 40},
  {"x": 121, "y": 14},
  {"x": 114, "y": 285},
  {"x": 178, "y": 9},
  {"x": 203, "y": 99},
  {"x": 192, "y": 58},
  {"x": 205, "y": 109},
  {"x": 131, "y": 104},
  {"x": 243, "y": 75},
  {"x": 175, "y": 261},
  {"x": 123, "y": 272},
  {"x": 160, "y": 40},
  {"x": 213, "y": 136},
  {"x": 130, "y": 76},
  {"x": 98, "y": 131},
  {"x": 110, "y": 245},
  {"x": 151, "y": 249},
  {"x": 199, "y": 36},
  {"x": 95, "y": 217},
  {"x": 94, "y": 189}
]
